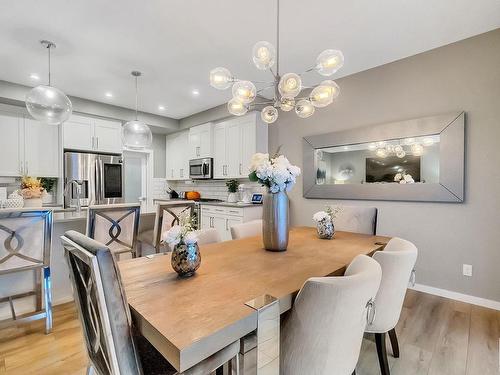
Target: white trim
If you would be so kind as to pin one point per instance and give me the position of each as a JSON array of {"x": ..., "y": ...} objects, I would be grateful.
[{"x": 491, "y": 304}]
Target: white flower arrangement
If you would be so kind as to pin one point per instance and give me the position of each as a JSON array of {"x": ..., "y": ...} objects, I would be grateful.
[
  {"x": 404, "y": 178},
  {"x": 184, "y": 233},
  {"x": 331, "y": 213},
  {"x": 277, "y": 173}
]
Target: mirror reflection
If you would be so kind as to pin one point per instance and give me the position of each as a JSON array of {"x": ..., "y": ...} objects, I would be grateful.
[{"x": 394, "y": 161}]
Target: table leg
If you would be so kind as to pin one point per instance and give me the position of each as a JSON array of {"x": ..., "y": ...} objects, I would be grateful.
[{"x": 263, "y": 359}]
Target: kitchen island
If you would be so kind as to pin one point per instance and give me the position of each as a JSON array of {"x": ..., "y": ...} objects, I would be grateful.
[{"x": 64, "y": 220}]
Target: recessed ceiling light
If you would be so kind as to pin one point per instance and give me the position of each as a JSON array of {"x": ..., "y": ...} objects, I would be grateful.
[
  {"x": 195, "y": 92},
  {"x": 35, "y": 77},
  {"x": 109, "y": 95},
  {"x": 161, "y": 107}
]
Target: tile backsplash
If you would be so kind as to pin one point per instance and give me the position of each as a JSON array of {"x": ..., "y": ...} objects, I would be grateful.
[{"x": 214, "y": 189}]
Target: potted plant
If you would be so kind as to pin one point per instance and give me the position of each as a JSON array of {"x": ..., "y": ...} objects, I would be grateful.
[
  {"x": 278, "y": 175},
  {"x": 232, "y": 188},
  {"x": 324, "y": 221},
  {"x": 31, "y": 191},
  {"x": 48, "y": 184},
  {"x": 183, "y": 240}
]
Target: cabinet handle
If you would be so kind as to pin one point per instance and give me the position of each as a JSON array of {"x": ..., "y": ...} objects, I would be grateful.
[
  {"x": 26, "y": 167},
  {"x": 227, "y": 224},
  {"x": 240, "y": 169},
  {"x": 97, "y": 142},
  {"x": 21, "y": 170}
]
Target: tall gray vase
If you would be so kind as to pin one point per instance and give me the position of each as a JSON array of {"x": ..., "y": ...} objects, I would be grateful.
[{"x": 275, "y": 221}]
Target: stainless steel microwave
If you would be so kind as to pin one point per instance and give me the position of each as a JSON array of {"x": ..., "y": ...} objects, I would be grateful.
[{"x": 201, "y": 169}]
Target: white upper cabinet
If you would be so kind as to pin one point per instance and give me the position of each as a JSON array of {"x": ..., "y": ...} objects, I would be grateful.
[
  {"x": 177, "y": 156},
  {"x": 11, "y": 145},
  {"x": 92, "y": 134},
  {"x": 28, "y": 147},
  {"x": 201, "y": 141},
  {"x": 41, "y": 149},
  {"x": 235, "y": 141},
  {"x": 108, "y": 136}
]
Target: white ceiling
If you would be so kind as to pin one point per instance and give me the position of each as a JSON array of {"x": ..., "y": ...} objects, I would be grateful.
[{"x": 175, "y": 43}]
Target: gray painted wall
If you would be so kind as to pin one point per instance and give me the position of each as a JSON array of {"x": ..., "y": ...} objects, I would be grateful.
[
  {"x": 159, "y": 149},
  {"x": 461, "y": 76}
]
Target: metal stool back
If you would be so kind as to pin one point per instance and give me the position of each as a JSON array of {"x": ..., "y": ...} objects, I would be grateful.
[
  {"x": 115, "y": 225},
  {"x": 25, "y": 243}
]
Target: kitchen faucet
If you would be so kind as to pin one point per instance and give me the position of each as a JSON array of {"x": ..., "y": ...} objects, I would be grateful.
[{"x": 78, "y": 184}]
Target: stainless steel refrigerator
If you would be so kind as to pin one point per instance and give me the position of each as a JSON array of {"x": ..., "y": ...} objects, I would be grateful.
[{"x": 95, "y": 178}]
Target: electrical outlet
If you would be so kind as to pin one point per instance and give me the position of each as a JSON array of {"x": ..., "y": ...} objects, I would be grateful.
[{"x": 467, "y": 270}]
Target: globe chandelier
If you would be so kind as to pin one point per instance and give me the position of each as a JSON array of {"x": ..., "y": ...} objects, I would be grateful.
[
  {"x": 47, "y": 103},
  {"x": 287, "y": 87},
  {"x": 136, "y": 134}
]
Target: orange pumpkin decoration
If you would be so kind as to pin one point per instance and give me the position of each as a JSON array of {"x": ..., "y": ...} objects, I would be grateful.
[{"x": 193, "y": 195}]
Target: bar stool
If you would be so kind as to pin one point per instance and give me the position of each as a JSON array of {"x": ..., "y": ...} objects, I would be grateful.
[
  {"x": 167, "y": 215},
  {"x": 116, "y": 226},
  {"x": 25, "y": 243}
]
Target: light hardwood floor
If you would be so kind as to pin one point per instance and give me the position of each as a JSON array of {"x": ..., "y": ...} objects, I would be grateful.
[{"x": 436, "y": 336}]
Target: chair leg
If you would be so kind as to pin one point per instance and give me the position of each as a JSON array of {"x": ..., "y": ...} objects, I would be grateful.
[
  {"x": 394, "y": 343},
  {"x": 382, "y": 353},
  {"x": 47, "y": 293}
]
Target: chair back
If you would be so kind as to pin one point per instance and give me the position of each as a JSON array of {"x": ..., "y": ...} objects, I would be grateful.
[
  {"x": 168, "y": 214},
  {"x": 208, "y": 236},
  {"x": 397, "y": 261},
  {"x": 102, "y": 306},
  {"x": 25, "y": 239},
  {"x": 114, "y": 225},
  {"x": 249, "y": 229},
  {"x": 357, "y": 219},
  {"x": 324, "y": 331}
]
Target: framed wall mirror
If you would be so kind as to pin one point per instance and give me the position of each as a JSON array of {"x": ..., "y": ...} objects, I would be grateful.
[{"x": 414, "y": 160}]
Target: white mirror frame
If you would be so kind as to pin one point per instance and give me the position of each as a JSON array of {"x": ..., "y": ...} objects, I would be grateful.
[{"x": 451, "y": 129}]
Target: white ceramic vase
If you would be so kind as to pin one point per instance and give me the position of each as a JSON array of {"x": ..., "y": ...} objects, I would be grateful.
[
  {"x": 33, "y": 202},
  {"x": 232, "y": 198}
]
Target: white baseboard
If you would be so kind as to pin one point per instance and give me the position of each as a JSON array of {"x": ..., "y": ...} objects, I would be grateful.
[{"x": 491, "y": 304}]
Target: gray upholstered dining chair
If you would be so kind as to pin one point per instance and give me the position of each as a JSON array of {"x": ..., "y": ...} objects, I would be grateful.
[
  {"x": 357, "y": 219},
  {"x": 323, "y": 332},
  {"x": 25, "y": 244},
  {"x": 208, "y": 236},
  {"x": 248, "y": 229},
  {"x": 167, "y": 215},
  {"x": 397, "y": 262},
  {"x": 113, "y": 344},
  {"x": 116, "y": 226}
]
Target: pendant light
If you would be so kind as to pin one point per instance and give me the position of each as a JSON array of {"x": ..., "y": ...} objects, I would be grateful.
[
  {"x": 136, "y": 134},
  {"x": 46, "y": 103}
]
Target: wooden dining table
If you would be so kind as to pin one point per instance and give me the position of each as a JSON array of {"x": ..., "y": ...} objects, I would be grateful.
[{"x": 238, "y": 286}]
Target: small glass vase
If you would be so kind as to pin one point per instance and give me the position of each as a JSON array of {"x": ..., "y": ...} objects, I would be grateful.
[
  {"x": 325, "y": 229},
  {"x": 186, "y": 259}
]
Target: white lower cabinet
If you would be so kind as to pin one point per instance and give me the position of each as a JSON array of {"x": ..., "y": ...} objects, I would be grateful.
[{"x": 223, "y": 217}]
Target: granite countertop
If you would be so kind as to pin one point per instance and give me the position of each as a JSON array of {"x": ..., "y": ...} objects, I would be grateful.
[{"x": 70, "y": 214}]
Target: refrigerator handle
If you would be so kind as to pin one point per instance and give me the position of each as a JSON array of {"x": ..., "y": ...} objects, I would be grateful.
[{"x": 98, "y": 178}]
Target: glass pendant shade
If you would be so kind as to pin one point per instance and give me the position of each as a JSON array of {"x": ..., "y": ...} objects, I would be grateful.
[
  {"x": 263, "y": 55},
  {"x": 136, "y": 134},
  {"x": 48, "y": 105},
  {"x": 401, "y": 154},
  {"x": 398, "y": 148},
  {"x": 290, "y": 85},
  {"x": 287, "y": 104},
  {"x": 304, "y": 108},
  {"x": 329, "y": 61},
  {"x": 334, "y": 88},
  {"x": 417, "y": 149},
  {"x": 220, "y": 78},
  {"x": 381, "y": 153},
  {"x": 428, "y": 142},
  {"x": 321, "y": 96},
  {"x": 269, "y": 114},
  {"x": 237, "y": 108},
  {"x": 244, "y": 91}
]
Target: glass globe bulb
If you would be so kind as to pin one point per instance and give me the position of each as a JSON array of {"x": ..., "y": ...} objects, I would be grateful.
[
  {"x": 269, "y": 114},
  {"x": 263, "y": 55},
  {"x": 401, "y": 154},
  {"x": 381, "y": 153},
  {"x": 48, "y": 105},
  {"x": 290, "y": 85},
  {"x": 287, "y": 104},
  {"x": 220, "y": 78},
  {"x": 236, "y": 107},
  {"x": 398, "y": 148},
  {"x": 244, "y": 91},
  {"x": 321, "y": 96},
  {"x": 136, "y": 134},
  {"x": 304, "y": 108},
  {"x": 334, "y": 88},
  {"x": 390, "y": 148},
  {"x": 417, "y": 149},
  {"x": 329, "y": 61}
]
